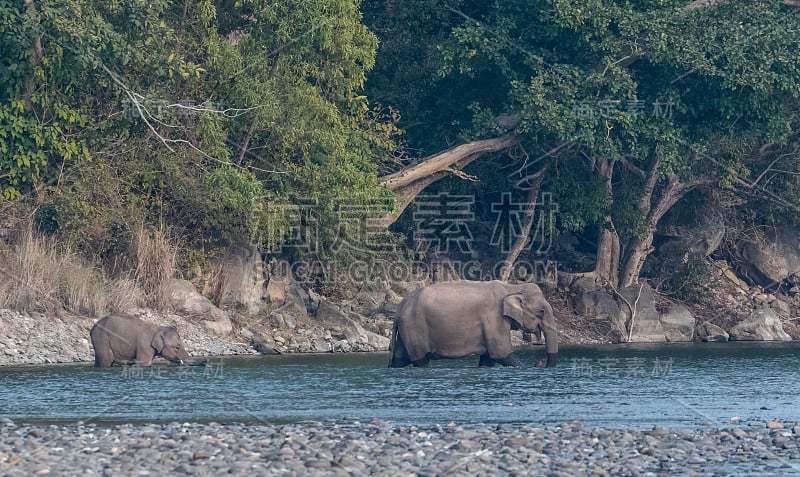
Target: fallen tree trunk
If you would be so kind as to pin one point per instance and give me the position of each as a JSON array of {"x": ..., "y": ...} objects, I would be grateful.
[{"x": 412, "y": 180}]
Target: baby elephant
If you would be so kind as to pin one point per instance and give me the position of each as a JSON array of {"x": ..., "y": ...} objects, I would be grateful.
[{"x": 125, "y": 339}]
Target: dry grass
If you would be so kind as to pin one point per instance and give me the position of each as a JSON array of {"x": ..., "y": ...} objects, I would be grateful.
[
  {"x": 156, "y": 256},
  {"x": 39, "y": 276},
  {"x": 27, "y": 271},
  {"x": 233, "y": 279}
]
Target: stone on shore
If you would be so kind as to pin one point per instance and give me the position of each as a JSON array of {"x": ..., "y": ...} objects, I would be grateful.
[
  {"x": 678, "y": 324},
  {"x": 709, "y": 332},
  {"x": 352, "y": 446},
  {"x": 646, "y": 324},
  {"x": 762, "y": 325}
]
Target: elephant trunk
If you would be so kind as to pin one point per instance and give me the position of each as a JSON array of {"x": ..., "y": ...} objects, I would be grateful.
[
  {"x": 181, "y": 358},
  {"x": 550, "y": 331}
]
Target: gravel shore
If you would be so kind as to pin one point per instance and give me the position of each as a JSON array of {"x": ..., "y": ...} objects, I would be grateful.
[{"x": 353, "y": 447}]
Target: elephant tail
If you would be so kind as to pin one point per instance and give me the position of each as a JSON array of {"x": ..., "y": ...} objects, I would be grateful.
[{"x": 397, "y": 350}]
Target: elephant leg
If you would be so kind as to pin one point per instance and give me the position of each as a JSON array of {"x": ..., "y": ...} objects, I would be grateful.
[
  {"x": 399, "y": 362},
  {"x": 421, "y": 363},
  {"x": 400, "y": 357},
  {"x": 486, "y": 361},
  {"x": 144, "y": 357},
  {"x": 510, "y": 360},
  {"x": 103, "y": 358}
]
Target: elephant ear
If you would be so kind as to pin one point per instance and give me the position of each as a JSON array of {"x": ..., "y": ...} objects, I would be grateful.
[
  {"x": 512, "y": 308},
  {"x": 158, "y": 341}
]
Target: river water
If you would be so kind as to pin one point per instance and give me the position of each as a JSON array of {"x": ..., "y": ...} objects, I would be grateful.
[{"x": 612, "y": 386}]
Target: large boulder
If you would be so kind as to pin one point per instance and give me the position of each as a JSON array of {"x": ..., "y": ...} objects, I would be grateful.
[
  {"x": 184, "y": 297},
  {"x": 345, "y": 329},
  {"x": 678, "y": 324},
  {"x": 241, "y": 283},
  {"x": 764, "y": 263},
  {"x": 769, "y": 260},
  {"x": 646, "y": 324},
  {"x": 333, "y": 315},
  {"x": 762, "y": 325},
  {"x": 709, "y": 332},
  {"x": 284, "y": 293},
  {"x": 264, "y": 344},
  {"x": 592, "y": 301}
]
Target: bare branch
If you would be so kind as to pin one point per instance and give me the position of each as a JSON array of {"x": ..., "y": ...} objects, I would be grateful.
[
  {"x": 769, "y": 167},
  {"x": 462, "y": 174},
  {"x": 410, "y": 181},
  {"x": 566, "y": 146},
  {"x": 135, "y": 99}
]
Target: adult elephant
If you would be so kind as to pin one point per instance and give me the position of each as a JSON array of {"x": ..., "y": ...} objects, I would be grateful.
[
  {"x": 459, "y": 318},
  {"x": 125, "y": 339}
]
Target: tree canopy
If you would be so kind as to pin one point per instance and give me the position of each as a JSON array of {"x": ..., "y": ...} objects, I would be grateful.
[
  {"x": 623, "y": 107},
  {"x": 221, "y": 119},
  {"x": 187, "y": 114}
]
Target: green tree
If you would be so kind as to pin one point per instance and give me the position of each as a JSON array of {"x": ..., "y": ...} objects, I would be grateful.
[
  {"x": 186, "y": 114},
  {"x": 647, "y": 100}
]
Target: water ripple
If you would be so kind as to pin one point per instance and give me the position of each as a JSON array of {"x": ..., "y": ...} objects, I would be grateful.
[{"x": 620, "y": 386}]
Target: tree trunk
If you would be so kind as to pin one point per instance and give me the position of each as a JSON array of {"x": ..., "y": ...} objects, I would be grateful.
[
  {"x": 639, "y": 248},
  {"x": 246, "y": 142},
  {"x": 409, "y": 182},
  {"x": 182, "y": 28},
  {"x": 637, "y": 251},
  {"x": 35, "y": 60},
  {"x": 608, "y": 250},
  {"x": 607, "y": 257},
  {"x": 522, "y": 240}
]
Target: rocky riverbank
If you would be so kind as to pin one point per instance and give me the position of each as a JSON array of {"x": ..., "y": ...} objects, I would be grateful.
[
  {"x": 350, "y": 447},
  {"x": 286, "y": 320},
  {"x": 34, "y": 338},
  {"x": 285, "y": 317}
]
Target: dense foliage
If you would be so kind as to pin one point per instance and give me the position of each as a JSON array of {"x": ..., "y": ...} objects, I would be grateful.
[
  {"x": 625, "y": 106},
  {"x": 230, "y": 121},
  {"x": 185, "y": 114}
]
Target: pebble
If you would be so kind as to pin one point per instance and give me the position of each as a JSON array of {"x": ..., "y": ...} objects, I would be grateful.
[
  {"x": 774, "y": 425},
  {"x": 376, "y": 447}
]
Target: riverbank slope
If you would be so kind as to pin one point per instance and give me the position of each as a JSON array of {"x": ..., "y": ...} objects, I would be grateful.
[{"x": 282, "y": 316}]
